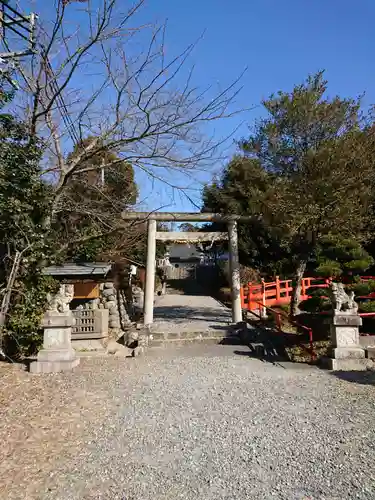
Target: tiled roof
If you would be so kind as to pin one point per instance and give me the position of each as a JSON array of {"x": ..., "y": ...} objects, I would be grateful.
[{"x": 82, "y": 269}]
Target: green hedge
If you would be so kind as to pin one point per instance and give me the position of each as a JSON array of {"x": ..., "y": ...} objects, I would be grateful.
[
  {"x": 362, "y": 288},
  {"x": 315, "y": 304},
  {"x": 367, "y": 306}
]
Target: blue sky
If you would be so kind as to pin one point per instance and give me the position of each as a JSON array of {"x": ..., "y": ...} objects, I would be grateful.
[{"x": 280, "y": 42}]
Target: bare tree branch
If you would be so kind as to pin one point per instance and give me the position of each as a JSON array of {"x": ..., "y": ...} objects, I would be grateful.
[{"x": 138, "y": 103}]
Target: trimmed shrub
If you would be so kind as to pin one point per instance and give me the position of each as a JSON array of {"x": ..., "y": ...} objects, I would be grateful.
[
  {"x": 367, "y": 306},
  {"x": 315, "y": 304}
]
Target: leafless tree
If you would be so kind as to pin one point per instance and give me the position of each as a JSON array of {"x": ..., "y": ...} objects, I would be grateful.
[
  {"x": 106, "y": 77},
  {"x": 99, "y": 72}
]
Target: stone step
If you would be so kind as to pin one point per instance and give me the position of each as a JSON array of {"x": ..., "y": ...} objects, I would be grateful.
[
  {"x": 189, "y": 341},
  {"x": 188, "y": 335},
  {"x": 183, "y": 338},
  {"x": 88, "y": 336},
  {"x": 347, "y": 364}
]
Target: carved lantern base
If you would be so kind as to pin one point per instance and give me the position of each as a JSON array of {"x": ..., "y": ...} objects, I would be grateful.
[
  {"x": 57, "y": 353},
  {"x": 346, "y": 354}
]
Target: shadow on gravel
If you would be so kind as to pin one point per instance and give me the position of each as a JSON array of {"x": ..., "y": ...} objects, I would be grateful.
[
  {"x": 230, "y": 341},
  {"x": 363, "y": 378},
  {"x": 187, "y": 313},
  {"x": 187, "y": 286},
  {"x": 261, "y": 356}
]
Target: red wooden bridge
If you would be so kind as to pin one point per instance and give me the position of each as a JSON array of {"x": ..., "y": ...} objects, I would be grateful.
[
  {"x": 260, "y": 297},
  {"x": 276, "y": 292}
]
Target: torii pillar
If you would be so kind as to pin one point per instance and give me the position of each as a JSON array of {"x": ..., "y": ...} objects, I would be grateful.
[
  {"x": 148, "y": 312},
  {"x": 234, "y": 266},
  {"x": 152, "y": 235}
]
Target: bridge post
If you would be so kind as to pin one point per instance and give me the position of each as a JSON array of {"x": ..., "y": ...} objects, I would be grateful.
[
  {"x": 148, "y": 311},
  {"x": 234, "y": 272}
]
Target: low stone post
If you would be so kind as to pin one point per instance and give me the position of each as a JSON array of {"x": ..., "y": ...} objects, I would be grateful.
[
  {"x": 347, "y": 354},
  {"x": 57, "y": 353}
]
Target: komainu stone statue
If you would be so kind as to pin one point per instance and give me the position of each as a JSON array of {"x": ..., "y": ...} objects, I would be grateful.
[
  {"x": 61, "y": 300},
  {"x": 341, "y": 301},
  {"x": 57, "y": 353},
  {"x": 346, "y": 354}
]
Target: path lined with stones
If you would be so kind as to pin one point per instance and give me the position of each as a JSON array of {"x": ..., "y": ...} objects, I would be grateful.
[{"x": 205, "y": 422}]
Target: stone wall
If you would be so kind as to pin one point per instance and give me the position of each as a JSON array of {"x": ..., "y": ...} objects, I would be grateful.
[{"x": 114, "y": 300}]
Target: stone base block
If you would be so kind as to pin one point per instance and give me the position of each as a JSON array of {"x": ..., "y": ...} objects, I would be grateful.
[
  {"x": 348, "y": 364},
  {"x": 348, "y": 353},
  {"x": 61, "y": 354},
  {"x": 344, "y": 319},
  {"x": 53, "y": 366}
]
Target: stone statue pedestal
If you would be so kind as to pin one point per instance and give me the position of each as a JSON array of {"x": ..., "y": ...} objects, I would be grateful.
[
  {"x": 347, "y": 354},
  {"x": 57, "y": 353}
]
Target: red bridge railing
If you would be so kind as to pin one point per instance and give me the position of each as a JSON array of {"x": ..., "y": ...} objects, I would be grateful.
[
  {"x": 260, "y": 297},
  {"x": 276, "y": 292},
  {"x": 277, "y": 317}
]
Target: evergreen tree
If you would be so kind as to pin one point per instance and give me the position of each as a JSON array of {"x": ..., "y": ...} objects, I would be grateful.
[{"x": 306, "y": 172}]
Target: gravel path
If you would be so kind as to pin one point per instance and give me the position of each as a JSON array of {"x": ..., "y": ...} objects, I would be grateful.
[{"x": 194, "y": 423}]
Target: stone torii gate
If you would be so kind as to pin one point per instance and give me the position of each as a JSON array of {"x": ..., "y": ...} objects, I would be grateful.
[{"x": 153, "y": 235}]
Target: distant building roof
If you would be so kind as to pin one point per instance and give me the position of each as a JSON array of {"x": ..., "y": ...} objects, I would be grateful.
[
  {"x": 82, "y": 269},
  {"x": 183, "y": 252}
]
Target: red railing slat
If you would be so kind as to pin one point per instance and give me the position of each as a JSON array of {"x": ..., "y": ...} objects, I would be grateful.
[{"x": 276, "y": 292}]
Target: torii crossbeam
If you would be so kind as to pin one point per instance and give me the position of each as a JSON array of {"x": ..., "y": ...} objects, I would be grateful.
[{"x": 153, "y": 235}]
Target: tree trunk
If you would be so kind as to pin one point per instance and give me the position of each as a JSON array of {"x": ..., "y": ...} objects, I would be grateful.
[
  {"x": 296, "y": 293},
  {"x": 7, "y": 296}
]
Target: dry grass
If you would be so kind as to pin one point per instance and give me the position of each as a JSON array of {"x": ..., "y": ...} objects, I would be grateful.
[{"x": 300, "y": 353}]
